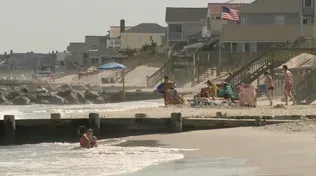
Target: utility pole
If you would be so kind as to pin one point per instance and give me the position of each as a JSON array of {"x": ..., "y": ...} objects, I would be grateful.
[
  {"x": 314, "y": 24},
  {"x": 301, "y": 18}
]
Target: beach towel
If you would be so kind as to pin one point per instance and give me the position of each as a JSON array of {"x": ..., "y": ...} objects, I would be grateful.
[
  {"x": 232, "y": 94},
  {"x": 247, "y": 96}
]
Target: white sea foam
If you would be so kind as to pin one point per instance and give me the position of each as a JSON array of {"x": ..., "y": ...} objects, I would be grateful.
[{"x": 68, "y": 159}]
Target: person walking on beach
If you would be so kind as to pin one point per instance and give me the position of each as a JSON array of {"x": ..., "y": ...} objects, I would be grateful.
[
  {"x": 84, "y": 140},
  {"x": 92, "y": 139},
  {"x": 288, "y": 84},
  {"x": 269, "y": 85}
]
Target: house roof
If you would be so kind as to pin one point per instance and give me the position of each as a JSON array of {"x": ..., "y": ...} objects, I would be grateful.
[
  {"x": 176, "y": 14},
  {"x": 146, "y": 28},
  {"x": 241, "y": 1},
  {"x": 272, "y": 6},
  {"x": 216, "y": 8},
  {"x": 263, "y": 32}
]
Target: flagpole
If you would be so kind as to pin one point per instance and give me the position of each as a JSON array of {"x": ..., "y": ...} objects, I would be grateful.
[
  {"x": 218, "y": 69},
  {"x": 301, "y": 18},
  {"x": 314, "y": 25}
]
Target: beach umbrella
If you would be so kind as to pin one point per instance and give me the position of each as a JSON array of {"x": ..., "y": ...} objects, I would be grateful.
[
  {"x": 112, "y": 66},
  {"x": 115, "y": 66}
]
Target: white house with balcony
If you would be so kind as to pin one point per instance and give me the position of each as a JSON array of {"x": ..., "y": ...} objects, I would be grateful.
[{"x": 114, "y": 40}]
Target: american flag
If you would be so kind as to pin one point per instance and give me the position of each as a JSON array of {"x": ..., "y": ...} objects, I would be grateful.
[{"x": 230, "y": 14}]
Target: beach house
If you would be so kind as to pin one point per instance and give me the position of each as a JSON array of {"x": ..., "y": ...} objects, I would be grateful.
[
  {"x": 114, "y": 36},
  {"x": 141, "y": 34},
  {"x": 263, "y": 23},
  {"x": 182, "y": 23}
]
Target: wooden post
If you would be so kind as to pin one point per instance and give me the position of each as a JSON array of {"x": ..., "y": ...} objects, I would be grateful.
[
  {"x": 55, "y": 116},
  {"x": 94, "y": 122},
  {"x": 176, "y": 122},
  {"x": 9, "y": 128},
  {"x": 258, "y": 121},
  {"x": 55, "y": 119}
]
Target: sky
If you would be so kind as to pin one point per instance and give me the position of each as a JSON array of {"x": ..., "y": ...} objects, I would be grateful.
[{"x": 47, "y": 25}]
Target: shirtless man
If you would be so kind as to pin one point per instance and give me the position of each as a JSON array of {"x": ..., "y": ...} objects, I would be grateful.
[{"x": 288, "y": 85}]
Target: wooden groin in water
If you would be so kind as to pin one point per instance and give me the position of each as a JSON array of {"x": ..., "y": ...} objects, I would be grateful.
[{"x": 58, "y": 129}]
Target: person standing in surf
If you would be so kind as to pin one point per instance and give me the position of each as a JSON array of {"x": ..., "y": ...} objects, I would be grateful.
[
  {"x": 93, "y": 139},
  {"x": 288, "y": 85},
  {"x": 84, "y": 140},
  {"x": 269, "y": 85}
]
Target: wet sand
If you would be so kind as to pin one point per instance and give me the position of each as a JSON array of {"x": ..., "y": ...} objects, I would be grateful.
[{"x": 274, "y": 152}]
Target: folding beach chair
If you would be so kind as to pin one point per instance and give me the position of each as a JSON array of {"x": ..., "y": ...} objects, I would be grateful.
[{"x": 232, "y": 94}]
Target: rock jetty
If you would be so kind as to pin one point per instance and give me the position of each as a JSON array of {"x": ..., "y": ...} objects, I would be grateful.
[{"x": 65, "y": 95}]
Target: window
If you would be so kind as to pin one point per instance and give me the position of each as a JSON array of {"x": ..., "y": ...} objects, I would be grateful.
[
  {"x": 85, "y": 55},
  {"x": 304, "y": 20},
  {"x": 279, "y": 19},
  {"x": 103, "y": 59},
  {"x": 247, "y": 47},
  {"x": 234, "y": 47},
  {"x": 243, "y": 20},
  {"x": 253, "y": 47},
  {"x": 175, "y": 27},
  {"x": 307, "y": 20},
  {"x": 216, "y": 17},
  {"x": 308, "y": 3}
]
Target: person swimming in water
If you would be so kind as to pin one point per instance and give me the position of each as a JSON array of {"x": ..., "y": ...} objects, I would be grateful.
[
  {"x": 84, "y": 140},
  {"x": 93, "y": 139}
]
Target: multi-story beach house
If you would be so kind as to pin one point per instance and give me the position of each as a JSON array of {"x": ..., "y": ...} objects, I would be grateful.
[
  {"x": 28, "y": 61},
  {"x": 78, "y": 55},
  {"x": 141, "y": 34},
  {"x": 114, "y": 36},
  {"x": 182, "y": 23},
  {"x": 263, "y": 23}
]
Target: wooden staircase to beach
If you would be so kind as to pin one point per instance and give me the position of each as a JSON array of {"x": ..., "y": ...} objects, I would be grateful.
[
  {"x": 157, "y": 77},
  {"x": 305, "y": 90},
  {"x": 269, "y": 60}
]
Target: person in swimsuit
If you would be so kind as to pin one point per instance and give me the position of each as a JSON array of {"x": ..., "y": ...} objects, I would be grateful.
[
  {"x": 212, "y": 89},
  {"x": 288, "y": 84},
  {"x": 269, "y": 85},
  {"x": 84, "y": 140},
  {"x": 167, "y": 84},
  {"x": 93, "y": 139}
]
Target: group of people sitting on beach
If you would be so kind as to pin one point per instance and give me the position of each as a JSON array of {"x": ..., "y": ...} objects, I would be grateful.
[
  {"x": 213, "y": 90},
  {"x": 221, "y": 89},
  {"x": 170, "y": 94},
  {"x": 87, "y": 139}
]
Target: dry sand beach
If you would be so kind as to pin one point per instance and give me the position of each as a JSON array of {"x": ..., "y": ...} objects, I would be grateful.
[
  {"x": 187, "y": 111},
  {"x": 271, "y": 150}
]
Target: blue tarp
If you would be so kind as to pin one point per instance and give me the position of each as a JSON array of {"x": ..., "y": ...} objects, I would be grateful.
[{"x": 112, "y": 66}]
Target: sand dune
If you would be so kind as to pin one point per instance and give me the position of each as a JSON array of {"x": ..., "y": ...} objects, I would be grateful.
[{"x": 137, "y": 76}]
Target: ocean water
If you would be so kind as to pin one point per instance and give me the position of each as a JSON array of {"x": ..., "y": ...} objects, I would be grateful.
[
  {"x": 68, "y": 159},
  {"x": 198, "y": 166},
  {"x": 44, "y": 111},
  {"x": 52, "y": 159}
]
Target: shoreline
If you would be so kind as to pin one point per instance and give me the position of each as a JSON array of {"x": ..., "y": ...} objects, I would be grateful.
[{"x": 272, "y": 152}]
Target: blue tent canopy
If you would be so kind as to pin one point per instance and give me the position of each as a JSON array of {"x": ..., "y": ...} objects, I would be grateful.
[{"x": 112, "y": 66}]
